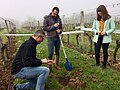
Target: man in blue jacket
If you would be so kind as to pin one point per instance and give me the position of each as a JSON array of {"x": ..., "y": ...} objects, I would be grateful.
[{"x": 27, "y": 66}]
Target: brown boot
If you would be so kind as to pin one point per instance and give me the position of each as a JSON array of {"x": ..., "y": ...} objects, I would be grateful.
[
  {"x": 57, "y": 62},
  {"x": 50, "y": 67},
  {"x": 58, "y": 67}
]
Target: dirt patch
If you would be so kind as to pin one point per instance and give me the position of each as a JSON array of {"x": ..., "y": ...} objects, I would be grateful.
[
  {"x": 73, "y": 81},
  {"x": 64, "y": 80},
  {"x": 114, "y": 65},
  {"x": 6, "y": 79}
]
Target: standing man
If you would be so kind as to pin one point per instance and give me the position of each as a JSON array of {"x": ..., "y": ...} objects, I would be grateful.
[
  {"x": 53, "y": 26},
  {"x": 27, "y": 66}
]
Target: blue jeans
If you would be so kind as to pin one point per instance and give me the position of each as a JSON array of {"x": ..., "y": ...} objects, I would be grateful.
[
  {"x": 35, "y": 76},
  {"x": 53, "y": 42}
]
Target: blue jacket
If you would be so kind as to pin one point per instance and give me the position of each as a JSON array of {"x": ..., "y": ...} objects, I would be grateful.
[{"x": 109, "y": 27}]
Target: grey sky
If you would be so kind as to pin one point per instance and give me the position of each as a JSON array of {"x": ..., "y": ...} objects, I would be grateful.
[{"x": 21, "y": 9}]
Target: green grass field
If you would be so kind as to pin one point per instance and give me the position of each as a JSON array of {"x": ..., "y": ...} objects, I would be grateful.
[{"x": 90, "y": 77}]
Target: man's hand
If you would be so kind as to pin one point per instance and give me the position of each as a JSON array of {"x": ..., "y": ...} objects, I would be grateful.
[
  {"x": 56, "y": 25},
  {"x": 58, "y": 31},
  {"x": 49, "y": 62},
  {"x": 44, "y": 61}
]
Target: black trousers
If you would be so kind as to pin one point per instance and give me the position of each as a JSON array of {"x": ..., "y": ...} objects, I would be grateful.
[{"x": 97, "y": 47}]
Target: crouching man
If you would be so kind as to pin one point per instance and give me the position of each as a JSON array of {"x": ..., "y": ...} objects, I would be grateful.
[{"x": 27, "y": 66}]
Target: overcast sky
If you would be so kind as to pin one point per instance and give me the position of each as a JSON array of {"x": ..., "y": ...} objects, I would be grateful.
[{"x": 21, "y": 9}]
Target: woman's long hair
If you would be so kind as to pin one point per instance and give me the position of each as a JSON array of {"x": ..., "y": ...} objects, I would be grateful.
[{"x": 103, "y": 11}]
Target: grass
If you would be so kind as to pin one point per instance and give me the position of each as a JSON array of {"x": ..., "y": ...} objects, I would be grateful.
[{"x": 94, "y": 78}]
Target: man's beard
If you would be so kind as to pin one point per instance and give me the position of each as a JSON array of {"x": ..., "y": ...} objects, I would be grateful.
[{"x": 38, "y": 42}]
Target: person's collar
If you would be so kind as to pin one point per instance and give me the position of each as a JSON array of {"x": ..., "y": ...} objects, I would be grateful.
[{"x": 33, "y": 41}]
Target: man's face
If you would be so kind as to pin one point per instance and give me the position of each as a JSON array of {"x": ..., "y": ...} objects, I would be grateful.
[
  {"x": 40, "y": 39},
  {"x": 55, "y": 13}
]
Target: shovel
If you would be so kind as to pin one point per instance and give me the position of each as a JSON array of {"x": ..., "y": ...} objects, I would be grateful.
[{"x": 67, "y": 64}]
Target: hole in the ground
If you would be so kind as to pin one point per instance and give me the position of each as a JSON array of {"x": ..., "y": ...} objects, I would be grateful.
[{"x": 64, "y": 80}]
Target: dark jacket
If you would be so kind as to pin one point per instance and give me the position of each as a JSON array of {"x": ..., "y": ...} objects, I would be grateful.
[
  {"x": 26, "y": 56},
  {"x": 48, "y": 23}
]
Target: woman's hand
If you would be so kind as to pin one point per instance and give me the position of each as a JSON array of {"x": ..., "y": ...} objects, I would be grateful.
[
  {"x": 98, "y": 33},
  {"x": 103, "y": 33}
]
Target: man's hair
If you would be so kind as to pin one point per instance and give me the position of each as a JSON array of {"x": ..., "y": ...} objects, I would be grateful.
[
  {"x": 55, "y": 8},
  {"x": 39, "y": 33}
]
